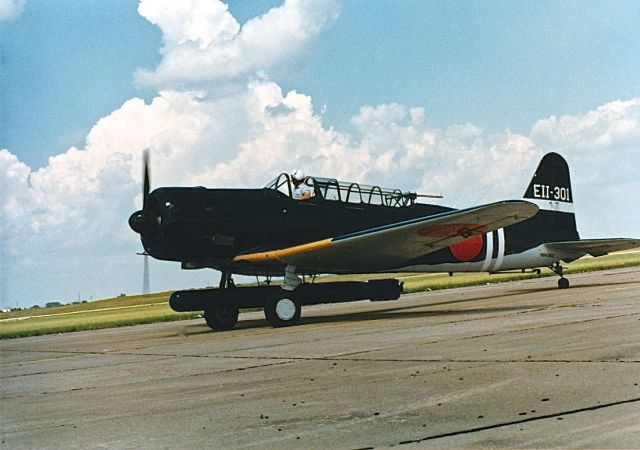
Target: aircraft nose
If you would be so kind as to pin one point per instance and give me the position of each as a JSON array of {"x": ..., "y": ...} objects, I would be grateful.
[{"x": 139, "y": 222}]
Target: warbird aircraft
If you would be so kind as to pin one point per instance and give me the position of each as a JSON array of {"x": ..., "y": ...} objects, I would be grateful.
[{"x": 348, "y": 228}]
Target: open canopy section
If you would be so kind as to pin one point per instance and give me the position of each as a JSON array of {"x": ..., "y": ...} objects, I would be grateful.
[{"x": 348, "y": 192}]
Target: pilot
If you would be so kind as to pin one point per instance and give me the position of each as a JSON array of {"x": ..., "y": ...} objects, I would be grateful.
[{"x": 301, "y": 191}]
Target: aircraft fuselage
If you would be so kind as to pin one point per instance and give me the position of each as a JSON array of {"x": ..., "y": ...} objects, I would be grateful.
[{"x": 208, "y": 227}]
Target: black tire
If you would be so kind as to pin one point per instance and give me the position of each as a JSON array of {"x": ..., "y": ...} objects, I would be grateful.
[
  {"x": 563, "y": 283},
  {"x": 221, "y": 317},
  {"x": 282, "y": 309}
]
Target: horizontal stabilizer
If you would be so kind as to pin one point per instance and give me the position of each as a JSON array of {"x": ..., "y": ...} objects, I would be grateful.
[
  {"x": 390, "y": 246},
  {"x": 595, "y": 247}
]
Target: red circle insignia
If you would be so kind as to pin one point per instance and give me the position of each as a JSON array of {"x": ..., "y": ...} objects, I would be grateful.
[{"x": 468, "y": 249}]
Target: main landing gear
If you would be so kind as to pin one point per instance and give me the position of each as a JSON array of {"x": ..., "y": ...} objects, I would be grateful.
[
  {"x": 282, "y": 309},
  {"x": 283, "y": 306},
  {"x": 563, "y": 283},
  {"x": 223, "y": 315}
]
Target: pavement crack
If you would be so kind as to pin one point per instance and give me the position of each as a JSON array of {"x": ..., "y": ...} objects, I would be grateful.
[
  {"x": 349, "y": 357},
  {"x": 516, "y": 422}
]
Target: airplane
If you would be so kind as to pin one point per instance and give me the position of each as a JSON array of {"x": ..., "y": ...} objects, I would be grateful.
[{"x": 349, "y": 228}]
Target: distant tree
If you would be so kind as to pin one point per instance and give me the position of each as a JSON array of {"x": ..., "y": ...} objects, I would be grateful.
[
  {"x": 35, "y": 307},
  {"x": 52, "y": 304}
]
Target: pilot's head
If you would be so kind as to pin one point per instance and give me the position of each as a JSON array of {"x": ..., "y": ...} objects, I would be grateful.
[{"x": 297, "y": 176}]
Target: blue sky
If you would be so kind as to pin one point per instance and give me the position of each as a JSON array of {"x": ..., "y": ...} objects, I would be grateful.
[
  {"x": 66, "y": 64},
  {"x": 474, "y": 91},
  {"x": 496, "y": 64}
]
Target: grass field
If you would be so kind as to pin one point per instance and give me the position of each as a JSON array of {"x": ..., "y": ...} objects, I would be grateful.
[{"x": 139, "y": 309}]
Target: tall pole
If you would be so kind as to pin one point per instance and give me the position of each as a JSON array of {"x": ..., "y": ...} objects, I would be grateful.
[{"x": 145, "y": 276}]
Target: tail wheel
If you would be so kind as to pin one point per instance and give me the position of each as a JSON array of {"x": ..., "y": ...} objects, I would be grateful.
[
  {"x": 563, "y": 283},
  {"x": 221, "y": 317},
  {"x": 282, "y": 309}
]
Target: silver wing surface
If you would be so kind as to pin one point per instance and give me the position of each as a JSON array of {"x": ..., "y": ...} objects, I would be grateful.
[
  {"x": 389, "y": 246},
  {"x": 594, "y": 247}
]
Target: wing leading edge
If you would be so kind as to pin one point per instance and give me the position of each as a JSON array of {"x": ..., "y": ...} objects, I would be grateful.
[{"x": 389, "y": 246}]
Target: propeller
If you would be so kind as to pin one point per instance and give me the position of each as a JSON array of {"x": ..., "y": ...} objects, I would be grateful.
[
  {"x": 146, "y": 186},
  {"x": 141, "y": 221}
]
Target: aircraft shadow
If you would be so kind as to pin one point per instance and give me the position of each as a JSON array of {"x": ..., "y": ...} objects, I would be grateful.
[
  {"x": 574, "y": 286},
  {"x": 390, "y": 313},
  {"x": 406, "y": 313}
]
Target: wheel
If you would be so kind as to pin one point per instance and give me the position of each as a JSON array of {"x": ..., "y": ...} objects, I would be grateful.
[
  {"x": 563, "y": 283},
  {"x": 282, "y": 309},
  {"x": 221, "y": 317}
]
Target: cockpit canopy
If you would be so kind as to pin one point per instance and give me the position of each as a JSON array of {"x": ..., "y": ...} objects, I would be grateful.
[{"x": 347, "y": 192}]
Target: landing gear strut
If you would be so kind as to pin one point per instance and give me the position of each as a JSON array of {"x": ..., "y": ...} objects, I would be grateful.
[
  {"x": 563, "y": 283},
  {"x": 226, "y": 281}
]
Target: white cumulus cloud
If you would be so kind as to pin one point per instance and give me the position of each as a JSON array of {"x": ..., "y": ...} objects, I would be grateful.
[
  {"x": 247, "y": 138},
  {"x": 608, "y": 126},
  {"x": 10, "y": 9},
  {"x": 203, "y": 42}
]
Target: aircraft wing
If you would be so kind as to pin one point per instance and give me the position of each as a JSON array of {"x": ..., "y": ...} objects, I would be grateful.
[
  {"x": 389, "y": 246},
  {"x": 595, "y": 247}
]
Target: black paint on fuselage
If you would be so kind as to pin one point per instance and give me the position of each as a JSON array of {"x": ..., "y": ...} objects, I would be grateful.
[{"x": 212, "y": 225}]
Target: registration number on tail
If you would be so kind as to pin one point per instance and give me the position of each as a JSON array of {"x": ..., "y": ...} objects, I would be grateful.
[{"x": 547, "y": 192}]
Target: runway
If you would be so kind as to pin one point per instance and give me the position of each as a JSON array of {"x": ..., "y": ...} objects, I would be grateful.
[{"x": 521, "y": 364}]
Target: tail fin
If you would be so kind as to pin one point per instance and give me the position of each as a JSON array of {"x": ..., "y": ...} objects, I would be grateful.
[
  {"x": 550, "y": 189},
  {"x": 551, "y": 185}
]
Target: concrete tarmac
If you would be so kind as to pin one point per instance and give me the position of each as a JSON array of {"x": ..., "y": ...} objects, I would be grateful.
[{"x": 521, "y": 364}]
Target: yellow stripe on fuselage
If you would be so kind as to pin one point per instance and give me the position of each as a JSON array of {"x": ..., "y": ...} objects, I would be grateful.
[{"x": 282, "y": 253}]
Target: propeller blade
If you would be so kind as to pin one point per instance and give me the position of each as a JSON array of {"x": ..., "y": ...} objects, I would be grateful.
[
  {"x": 142, "y": 221},
  {"x": 146, "y": 187}
]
